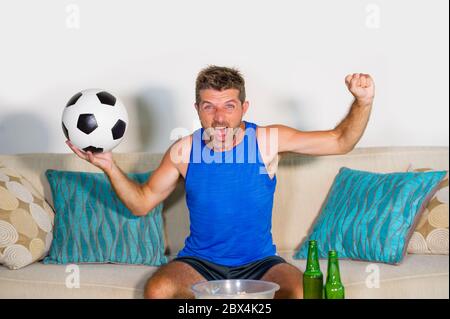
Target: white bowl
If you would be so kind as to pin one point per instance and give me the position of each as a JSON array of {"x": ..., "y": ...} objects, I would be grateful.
[{"x": 235, "y": 289}]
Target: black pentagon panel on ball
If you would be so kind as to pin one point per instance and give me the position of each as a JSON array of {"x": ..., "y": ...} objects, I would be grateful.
[
  {"x": 93, "y": 149},
  {"x": 74, "y": 99},
  {"x": 106, "y": 98},
  {"x": 66, "y": 132},
  {"x": 87, "y": 123},
  {"x": 118, "y": 129}
]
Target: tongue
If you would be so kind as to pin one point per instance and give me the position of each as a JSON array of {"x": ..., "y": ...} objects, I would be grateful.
[{"x": 220, "y": 133}]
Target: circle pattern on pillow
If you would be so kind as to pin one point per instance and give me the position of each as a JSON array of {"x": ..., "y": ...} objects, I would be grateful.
[
  {"x": 30, "y": 187},
  {"x": 418, "y": 243},
  {"x": 8, "y": 234},
  {"x": 8, "y": 201},
  {"x": 431, "y": 233},
  {"x": 19, "y": 191},
  {"x": 16, "y": 257},
  {"x": 41, "y": 217},
  {"x": 26, "y": 221}
]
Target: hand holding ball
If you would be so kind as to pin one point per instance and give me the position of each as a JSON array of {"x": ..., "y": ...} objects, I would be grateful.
[{"x": 94, "y": 120}]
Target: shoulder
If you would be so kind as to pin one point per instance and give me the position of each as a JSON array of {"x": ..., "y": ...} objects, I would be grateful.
[
  {"x": 180, "y": 150},
  {"x": 181, "y": 142},
  {"x": 272, "y": 130},
  {"x": 271, "y": 133},
  {"x": 276, "y": 137},
  {"x": 267, "y": 137}
]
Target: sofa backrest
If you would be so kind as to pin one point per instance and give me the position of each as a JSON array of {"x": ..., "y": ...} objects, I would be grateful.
[{"x": 302, "y": 183}]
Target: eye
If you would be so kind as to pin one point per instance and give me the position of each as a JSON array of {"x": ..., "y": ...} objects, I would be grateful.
[{"x": 229, "y": 106}]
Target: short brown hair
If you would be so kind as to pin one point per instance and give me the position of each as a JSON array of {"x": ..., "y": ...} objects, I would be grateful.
[{"x": 219, "y": 78}]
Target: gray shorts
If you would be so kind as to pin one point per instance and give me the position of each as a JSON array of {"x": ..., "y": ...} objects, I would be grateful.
[{"x": 254, "y": 270}]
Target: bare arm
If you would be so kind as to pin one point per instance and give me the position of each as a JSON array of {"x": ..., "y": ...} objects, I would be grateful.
[
  {"x": 352, "y": 127},
  {"x": 142, "y": 198},
  {"x": 138, "y": 198},
  {"x": 308, "y": 143},
  {"x": 343, "y": 138},
  {"x": 354, "y": 124}
]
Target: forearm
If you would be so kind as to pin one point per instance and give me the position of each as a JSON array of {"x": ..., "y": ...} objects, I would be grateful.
[
  {"x": 352, "y": 127},
  {"x": 130, "y": 193}
]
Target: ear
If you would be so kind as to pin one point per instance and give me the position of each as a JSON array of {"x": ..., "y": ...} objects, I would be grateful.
[
  {"x": 245, "y": 107},
  {"x": 196, "y": 106}
]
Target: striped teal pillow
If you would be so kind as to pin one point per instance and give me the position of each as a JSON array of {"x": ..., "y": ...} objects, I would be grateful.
[
  {"x": 92, "y": 225},
  {"x": 371, "y": 216}
]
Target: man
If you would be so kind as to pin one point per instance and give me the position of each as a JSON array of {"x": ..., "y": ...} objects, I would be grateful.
[{"x": 228, "y": 167}]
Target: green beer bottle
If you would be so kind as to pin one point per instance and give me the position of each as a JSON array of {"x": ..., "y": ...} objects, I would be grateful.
[
  {"x": 312, "y": 277},
  {"x": 333, "y": 287}
]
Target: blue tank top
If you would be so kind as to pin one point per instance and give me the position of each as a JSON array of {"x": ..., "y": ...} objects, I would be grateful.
[{"x": 230, "y": 198}]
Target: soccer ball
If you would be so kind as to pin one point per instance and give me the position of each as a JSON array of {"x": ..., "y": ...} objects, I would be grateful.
[{"x": 94, "y": 120}]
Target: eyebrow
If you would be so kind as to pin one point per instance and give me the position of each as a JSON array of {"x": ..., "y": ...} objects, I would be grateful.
[{"x": 232, "y": 100}]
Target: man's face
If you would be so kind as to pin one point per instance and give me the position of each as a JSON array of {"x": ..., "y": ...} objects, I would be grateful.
[{"x": 221, "y": 113}]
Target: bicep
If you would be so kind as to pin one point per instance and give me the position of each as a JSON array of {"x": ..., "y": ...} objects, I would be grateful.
[
  {"x": 308, "y": 142},
  {"x": 163, "y": 180}
]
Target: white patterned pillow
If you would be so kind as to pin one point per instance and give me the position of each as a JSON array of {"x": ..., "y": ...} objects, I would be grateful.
[
  {"x": 26, "y": 221},
  {"x": 431, "y": 234}
]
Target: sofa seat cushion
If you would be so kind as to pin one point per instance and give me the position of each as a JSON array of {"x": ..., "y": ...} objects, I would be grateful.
[
  {"x": 418, "y": 276},
  {"x": 100, "y": 281}
]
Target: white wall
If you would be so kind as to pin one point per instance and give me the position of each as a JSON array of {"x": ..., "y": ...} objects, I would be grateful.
[{"x": 293, "y": 54}]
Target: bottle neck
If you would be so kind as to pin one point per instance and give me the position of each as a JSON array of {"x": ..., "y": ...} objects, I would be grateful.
[
  {"x": 333, "y": 275},
  {"x": 313, "y": 259}
]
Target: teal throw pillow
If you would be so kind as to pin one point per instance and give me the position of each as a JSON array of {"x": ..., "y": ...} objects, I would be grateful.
[
  {"x": 371, "y": 216},
  {"x": 92, "y": 225}
]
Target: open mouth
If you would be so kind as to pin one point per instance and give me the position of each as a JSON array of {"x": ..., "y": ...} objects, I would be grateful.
[{"x": 221, "y": 131}]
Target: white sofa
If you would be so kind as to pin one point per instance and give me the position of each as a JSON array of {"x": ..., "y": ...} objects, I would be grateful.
[{"x": 303, "y": 183}]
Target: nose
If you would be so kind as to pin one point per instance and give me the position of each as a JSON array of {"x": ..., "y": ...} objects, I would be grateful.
[{"x": 219, "y": 116}]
